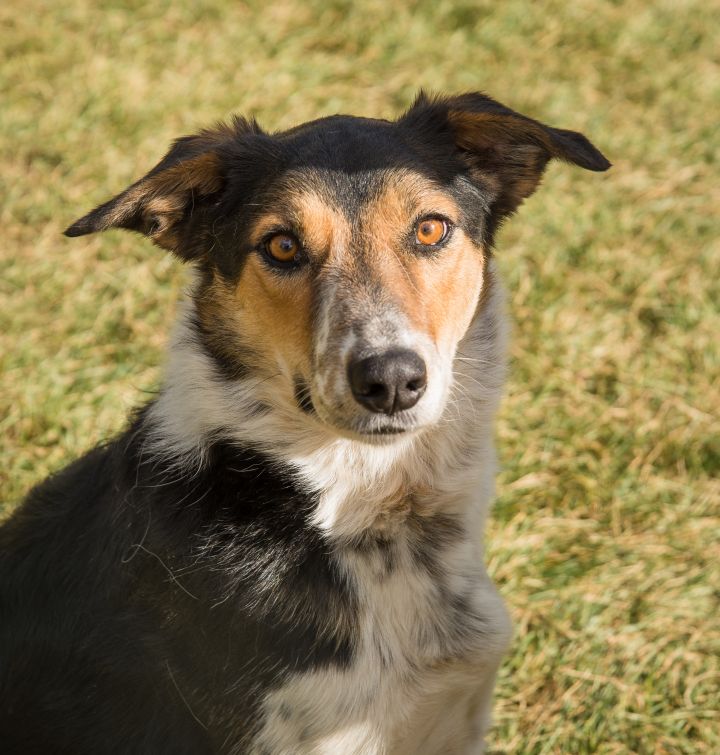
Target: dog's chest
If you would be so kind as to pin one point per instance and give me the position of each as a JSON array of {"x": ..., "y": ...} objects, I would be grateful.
[{"x": 428, "y": 623}]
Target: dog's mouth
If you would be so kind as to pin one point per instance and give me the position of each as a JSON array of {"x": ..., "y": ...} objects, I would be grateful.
[
  {"x": 390, "y": 431},
  {"x": 378, "y": 433},
  {"x": 381, "y": 435}
]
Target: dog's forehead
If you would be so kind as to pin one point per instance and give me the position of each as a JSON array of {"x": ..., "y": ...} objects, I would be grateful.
[
  {"x": 356, "y": 150},
  {"x": 347, "y": 144},
  {"x": 350, "y": 160}
]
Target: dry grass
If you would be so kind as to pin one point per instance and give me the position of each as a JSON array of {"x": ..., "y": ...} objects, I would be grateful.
[{"x": 605, "y": 538}]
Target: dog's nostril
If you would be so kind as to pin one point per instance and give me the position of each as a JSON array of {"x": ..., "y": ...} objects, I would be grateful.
[
  {"x": 388, "y": 382},
  {"x": 375, "y": 389}
]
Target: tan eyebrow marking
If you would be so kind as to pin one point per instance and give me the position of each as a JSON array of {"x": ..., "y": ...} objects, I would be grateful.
[
  {"x": 265, "y": 225},
  {"x": 324, "y": 226},
  {"x": 318, "y": 224}
]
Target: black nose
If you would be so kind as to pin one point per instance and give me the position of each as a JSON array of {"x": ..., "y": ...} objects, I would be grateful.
[{"x": 388, "y": 382}]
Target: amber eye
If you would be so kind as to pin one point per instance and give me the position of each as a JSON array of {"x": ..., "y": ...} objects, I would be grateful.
[
  {"x": 283, "y": 248},
  {"x": 431, "y": 231}
]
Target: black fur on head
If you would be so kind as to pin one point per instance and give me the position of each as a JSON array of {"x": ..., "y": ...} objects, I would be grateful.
[{"x": 207, "y": 182}]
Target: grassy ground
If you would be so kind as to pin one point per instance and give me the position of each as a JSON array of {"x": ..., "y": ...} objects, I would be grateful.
[{"x": 606, "y": 531}]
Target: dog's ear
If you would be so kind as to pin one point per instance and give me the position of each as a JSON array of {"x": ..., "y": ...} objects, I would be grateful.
[
  {"x": 506, "y": 151},
  {"x": 163, "y": 204}
]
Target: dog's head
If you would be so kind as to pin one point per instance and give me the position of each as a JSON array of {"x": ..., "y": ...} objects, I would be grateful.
[{"x": 345, "y": 258}]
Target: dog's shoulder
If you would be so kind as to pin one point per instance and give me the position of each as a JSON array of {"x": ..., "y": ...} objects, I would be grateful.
[{"x": 136, "y": 590}]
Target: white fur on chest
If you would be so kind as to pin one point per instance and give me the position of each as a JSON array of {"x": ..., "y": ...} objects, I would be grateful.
[{"x": 427, "y": 644}]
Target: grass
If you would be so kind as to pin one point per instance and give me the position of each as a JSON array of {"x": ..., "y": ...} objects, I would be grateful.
[{"x": 605, "y": 535}]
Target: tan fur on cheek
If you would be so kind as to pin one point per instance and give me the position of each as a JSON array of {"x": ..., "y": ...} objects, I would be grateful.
[
  {"x": 273, "y": 314},
  {"x": 417, "y": 284},
  {"x": 452, "y": 284},
  {"x": 262, "y": 322}
]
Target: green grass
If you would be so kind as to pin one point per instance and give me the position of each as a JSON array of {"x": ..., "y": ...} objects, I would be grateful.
[{"x": 605, "y": 539}]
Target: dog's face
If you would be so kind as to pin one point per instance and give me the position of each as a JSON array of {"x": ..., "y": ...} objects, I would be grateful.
[
  {"x": 358, "y": 285},
  {"x": 346, "y": 258}
]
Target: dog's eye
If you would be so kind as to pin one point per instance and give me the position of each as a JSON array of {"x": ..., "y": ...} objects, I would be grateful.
[
  {"x": 431, "y": 231},
  {"x": 283, "y": 248}
]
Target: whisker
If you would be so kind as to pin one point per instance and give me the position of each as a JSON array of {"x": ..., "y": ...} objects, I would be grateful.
[
  {"x": 479, "y": 361},
  {"x": 475, "y": 380}
]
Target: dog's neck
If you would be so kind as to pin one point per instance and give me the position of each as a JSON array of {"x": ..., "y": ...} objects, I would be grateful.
[{"x": 358, "y": 486}]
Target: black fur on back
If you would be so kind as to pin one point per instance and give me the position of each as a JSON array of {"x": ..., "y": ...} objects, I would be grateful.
[{"x": 146, "y": 610}]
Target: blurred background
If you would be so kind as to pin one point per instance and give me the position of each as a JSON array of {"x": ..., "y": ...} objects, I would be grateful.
[{"x": 605, "y": 539}]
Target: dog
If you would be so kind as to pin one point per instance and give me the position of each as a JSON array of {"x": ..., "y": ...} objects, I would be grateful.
[{"x": 283, "y": 552}]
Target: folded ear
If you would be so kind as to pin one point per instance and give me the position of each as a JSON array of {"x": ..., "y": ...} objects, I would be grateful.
[
  {"x": 506, "y": 151},
  {"x": 161, "y": 205}
]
